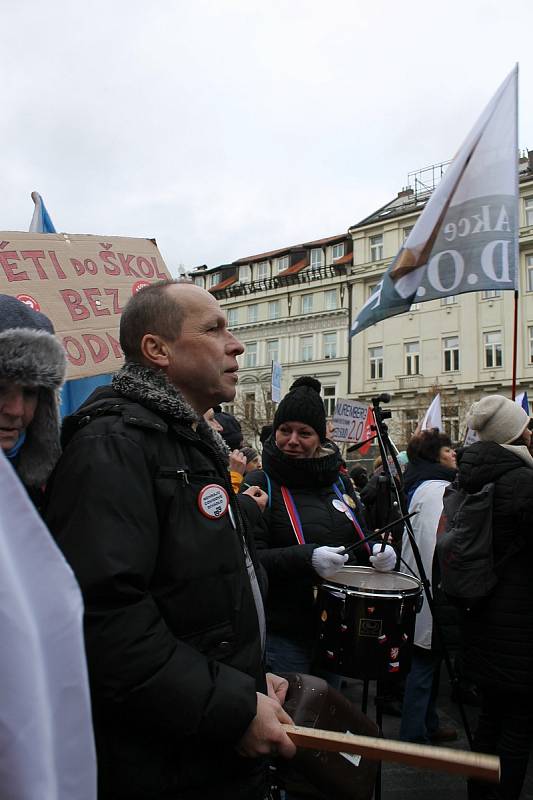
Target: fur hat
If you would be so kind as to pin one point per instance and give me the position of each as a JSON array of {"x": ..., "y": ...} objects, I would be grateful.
[
  {"x": 303, "y": 404},
  {"x": 497, "y": 419},
  {"x": 31, "y": 355}
]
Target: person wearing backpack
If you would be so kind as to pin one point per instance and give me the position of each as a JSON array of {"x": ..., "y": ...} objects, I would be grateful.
[
  {"x": 498, "y": 633},
  {"x": 432, "y": 466}
]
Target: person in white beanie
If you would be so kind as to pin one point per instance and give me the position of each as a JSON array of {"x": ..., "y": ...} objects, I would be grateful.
[{"x": 498, "y": 636}]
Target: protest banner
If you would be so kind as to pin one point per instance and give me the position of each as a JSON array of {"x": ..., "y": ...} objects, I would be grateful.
[
  {"x": 82, "y": 283},
  {"x": 351, "y": 421}
]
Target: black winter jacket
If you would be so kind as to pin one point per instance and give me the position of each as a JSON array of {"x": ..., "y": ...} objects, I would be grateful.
[
  {"x": 291, "y": 577},
  {"x": 499, "y": 637},
  {"x": 171, "y": 626}
]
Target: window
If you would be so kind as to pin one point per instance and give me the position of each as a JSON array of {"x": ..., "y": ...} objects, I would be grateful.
[
  {"x": 376, "y": 247},
  {"x": 330, "y": 345},
  {"x": 529, "y": 270},
  {"x": 261, "y": 271},
  {"x": 272, "y": 350},
  {"x": 375, "y": 357},
  {"x": 306, "y": 303},
  {"x": 199, "y": 282},
  {"x": 253, "y": 312},
  {"x": 330, "y": 300},
  {"x": 245, "y": 274},
  {"x": 411, "y": 418},
  {"x": 530, "y": 334},
  {"x": 449, "y": 300},
  {"x": 337, "y": 251},
  {"x": 282, "y": 263},
  {"x": 370, "y": 289},
  {"x": 490, "y": 294},
  {"x": 214, "y": 278},
  {"x": 329, "y": 400},
  {"x": 412, "y": 358},
  {"x": 528, "y": 208},
  {"x": 249, "y": 405},
  {"x": 451, "y": 353},
  {"x": 317, "y": 257},
  {"x": 406, "y": 231},
  {"x": 450, "y": 422},
  {"x": 233, "y": 317},
  {"x": 274, "y": 309},
  {"x": 250, "y": 355},
  {"x": 306, "y": 348},
  {"x": 492, "y": 345}
]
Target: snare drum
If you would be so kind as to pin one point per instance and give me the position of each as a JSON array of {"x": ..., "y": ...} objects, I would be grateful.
[{"x": 366, "y": 622}]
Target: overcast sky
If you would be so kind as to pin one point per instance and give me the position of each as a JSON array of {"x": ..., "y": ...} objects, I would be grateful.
[{"x": 224, "y": 128}]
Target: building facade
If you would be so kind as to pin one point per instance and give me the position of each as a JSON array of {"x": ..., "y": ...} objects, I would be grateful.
[
  {"x": 460, "y": 346},
  {"x": 295, "y": 305}
]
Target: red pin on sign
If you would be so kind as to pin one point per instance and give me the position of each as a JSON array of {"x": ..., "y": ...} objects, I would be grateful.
[{"x": 29, "y": 301}]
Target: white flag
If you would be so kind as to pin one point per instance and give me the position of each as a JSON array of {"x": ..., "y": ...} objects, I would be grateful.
[
  {"x": 46, "y": 738},
  {"x": 466, "y": 239},
  {"x": 433, "y": 416}
]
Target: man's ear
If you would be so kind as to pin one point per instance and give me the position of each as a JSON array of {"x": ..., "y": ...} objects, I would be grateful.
[{"x": 155, "y": 350}]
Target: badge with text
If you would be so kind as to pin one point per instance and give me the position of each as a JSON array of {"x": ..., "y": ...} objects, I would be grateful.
[
  {"x": 339, "y": 505},
  {"x": 213, "y": 501}
]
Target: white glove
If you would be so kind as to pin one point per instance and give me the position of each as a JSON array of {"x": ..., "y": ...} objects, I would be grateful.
[
  {"x": 383, "y": 561},
  {"x": 328, "y": 560}
]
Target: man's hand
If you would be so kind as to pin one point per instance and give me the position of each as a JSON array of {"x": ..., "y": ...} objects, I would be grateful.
[
  {"x": 257, "y": 494},
  {"x": 237, "y": 462},
  {"x": 264, "y": 735},
  {"x": 277, "y": 687}
]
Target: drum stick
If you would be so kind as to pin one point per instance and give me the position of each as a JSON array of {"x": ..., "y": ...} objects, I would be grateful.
[
  {"x": 378, "y": 533},
  {"x": 440, "y": 759}
]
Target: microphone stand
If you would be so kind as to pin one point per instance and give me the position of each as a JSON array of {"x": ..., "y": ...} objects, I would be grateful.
[{"x": 387, "y": 449}]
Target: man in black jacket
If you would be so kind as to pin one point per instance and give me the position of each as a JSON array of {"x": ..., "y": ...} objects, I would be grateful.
[{"x": 143, "y": 510}]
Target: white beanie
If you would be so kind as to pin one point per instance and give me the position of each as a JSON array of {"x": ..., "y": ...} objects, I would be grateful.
[{"x": 497, "y": 419}]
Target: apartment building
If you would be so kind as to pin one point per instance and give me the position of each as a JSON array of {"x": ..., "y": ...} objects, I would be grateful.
[
  {"x": 460, "y": 346},
  {"x": 295, "y": 305},
  {"x": 288, "y": 305}
]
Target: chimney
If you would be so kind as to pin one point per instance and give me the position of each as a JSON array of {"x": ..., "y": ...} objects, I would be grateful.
[{"x": 405, "y": 192}]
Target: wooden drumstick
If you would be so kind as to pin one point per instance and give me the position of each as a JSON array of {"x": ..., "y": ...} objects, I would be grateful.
[{"x": 440, "y": 759}]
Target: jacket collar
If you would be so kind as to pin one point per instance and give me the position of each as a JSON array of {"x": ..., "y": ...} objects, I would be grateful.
[{"x": 152, "y": 390}]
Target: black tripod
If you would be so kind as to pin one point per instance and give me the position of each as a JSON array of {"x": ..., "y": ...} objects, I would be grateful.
[{"x": 388, "y": 453}]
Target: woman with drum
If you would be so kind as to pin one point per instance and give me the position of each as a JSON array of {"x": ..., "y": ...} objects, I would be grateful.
[
  {"x": 432, "y": 466},
  {"x": 312, "y": 516}
]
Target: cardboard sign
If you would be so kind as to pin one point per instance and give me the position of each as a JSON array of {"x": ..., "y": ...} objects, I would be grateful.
[
  {"x": 82, "y": 283},
  {"x": 351, "y": 421}
]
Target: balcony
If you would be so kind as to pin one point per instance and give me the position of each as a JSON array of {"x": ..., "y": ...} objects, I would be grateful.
[{"x": 410, "y": 382}]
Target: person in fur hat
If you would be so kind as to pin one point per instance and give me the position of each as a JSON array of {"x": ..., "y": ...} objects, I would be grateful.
[
  {"x": 142, "y": 506},
  {"x": 32, "y": 370}
]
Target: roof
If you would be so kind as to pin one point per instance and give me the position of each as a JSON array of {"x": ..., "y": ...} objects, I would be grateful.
[
  {"x": 345, "y": 259},
  {"x": 223, "y": 284},
  {"x": 327, "y": 240},
  {"x": 301, "y": 264}
]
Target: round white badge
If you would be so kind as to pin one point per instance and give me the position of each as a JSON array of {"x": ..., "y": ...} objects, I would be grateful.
[
  {"x": 339, "y": 505},
  {"x": 213, "y": 501}
]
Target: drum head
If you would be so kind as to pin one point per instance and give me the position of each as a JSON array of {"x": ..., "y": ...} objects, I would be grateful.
[{"x": 369, "y": 579}]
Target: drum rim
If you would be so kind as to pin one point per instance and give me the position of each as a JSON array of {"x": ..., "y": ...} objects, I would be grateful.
[{"x": 358, "y": 591}]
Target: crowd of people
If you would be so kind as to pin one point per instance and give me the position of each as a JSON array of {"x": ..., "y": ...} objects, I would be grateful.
[{"x": 198, "y": 554}]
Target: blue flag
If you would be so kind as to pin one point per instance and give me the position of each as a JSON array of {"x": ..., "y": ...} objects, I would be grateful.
[
  {"x": 466, "y": 239},
  {"x": 40, "y": 222}
]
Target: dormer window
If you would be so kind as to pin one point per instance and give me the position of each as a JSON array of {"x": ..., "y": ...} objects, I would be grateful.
[
  {"x": 317, "y": 258},
  {"x": 282, "y": 263},
  {"x": 245, "y": 274},
  {"x": 337, "y": 251},
  {"x": 261, "y": 271}
]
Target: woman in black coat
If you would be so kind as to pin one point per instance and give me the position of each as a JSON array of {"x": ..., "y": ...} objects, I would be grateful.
[
  {"x": 313, "y": 514},
  {"x": 499, "y": 635}
]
